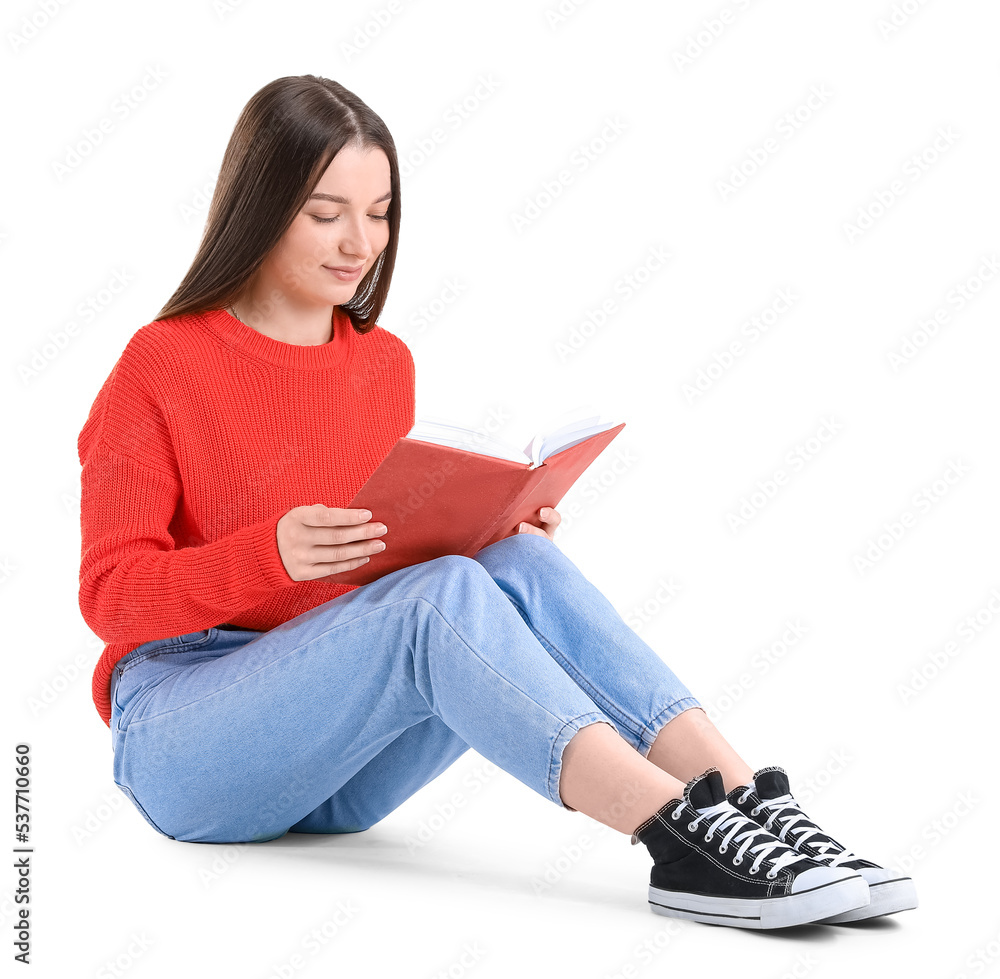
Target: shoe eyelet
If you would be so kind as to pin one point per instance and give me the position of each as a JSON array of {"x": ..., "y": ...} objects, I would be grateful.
[
  {"x": 723, "y": 848},
  {"x": 675, "y": 815},
  {"x": 771, "y": 874},
  {"x": 744, "y": 797},
  {"x": 737, "y": 861},
  {"x": 751, "y": 871},
  {"x": 710, "y": 837},
  {"x": 755, "y": 811},
  {"x": 692, "y": 827}
]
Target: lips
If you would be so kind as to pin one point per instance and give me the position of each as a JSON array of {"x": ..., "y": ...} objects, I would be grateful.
[{"x": 343, "y": 268}]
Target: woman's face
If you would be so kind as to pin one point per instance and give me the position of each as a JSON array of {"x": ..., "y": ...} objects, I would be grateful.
[{"x": 343, "y": 225}]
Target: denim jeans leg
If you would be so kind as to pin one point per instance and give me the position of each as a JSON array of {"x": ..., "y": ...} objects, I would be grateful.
[
  {"x": 586, "y": 636},
  {"x": 398, "y": 771},
  {"x": 583, "y": 633},
  {"x": 243, "y": 746}
]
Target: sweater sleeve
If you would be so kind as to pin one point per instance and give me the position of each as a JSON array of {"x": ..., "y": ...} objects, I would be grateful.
[{"x": 134, "y": 584}]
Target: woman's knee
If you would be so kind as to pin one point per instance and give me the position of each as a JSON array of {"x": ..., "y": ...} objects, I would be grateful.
[
  {"x": 526, "y": 565},
  {"x": 454, "y": 572},
  {"x": 521, "y": 550}
]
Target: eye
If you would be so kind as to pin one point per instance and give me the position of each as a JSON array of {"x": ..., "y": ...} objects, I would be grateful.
[{"x": 375, "y": 217}]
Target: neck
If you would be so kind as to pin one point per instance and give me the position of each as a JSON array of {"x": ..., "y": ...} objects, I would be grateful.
[{"x": 303, "y": 326}]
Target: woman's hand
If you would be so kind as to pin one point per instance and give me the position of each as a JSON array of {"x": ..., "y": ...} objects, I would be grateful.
[
  {"x": 549, "y": 519},
  {"x": 316, "y": 541}
]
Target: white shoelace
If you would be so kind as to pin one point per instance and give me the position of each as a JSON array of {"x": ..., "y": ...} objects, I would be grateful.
[
  {"x": 829, "y": 850},
  {"x": 726, "y": 818}
]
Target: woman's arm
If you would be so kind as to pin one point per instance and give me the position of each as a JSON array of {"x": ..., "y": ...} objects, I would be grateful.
[{"x": 134, "y": 585}]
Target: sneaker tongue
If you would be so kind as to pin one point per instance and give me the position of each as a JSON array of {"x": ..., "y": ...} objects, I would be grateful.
[
  {"x": 706, "y": 790},
  {"x": 771, "y": 783}
]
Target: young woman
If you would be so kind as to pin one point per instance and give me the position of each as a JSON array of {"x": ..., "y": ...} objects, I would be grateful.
[{"x": 250, "y": 694}]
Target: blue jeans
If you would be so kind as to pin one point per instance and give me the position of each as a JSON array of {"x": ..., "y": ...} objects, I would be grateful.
[{"x": 329, "y": 721}]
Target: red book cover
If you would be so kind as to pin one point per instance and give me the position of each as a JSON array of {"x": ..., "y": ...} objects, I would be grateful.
[{"x": 437, "y": 499}]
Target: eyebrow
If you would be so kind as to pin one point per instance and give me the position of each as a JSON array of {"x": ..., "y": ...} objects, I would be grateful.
[{"x": 337, "y": 199}]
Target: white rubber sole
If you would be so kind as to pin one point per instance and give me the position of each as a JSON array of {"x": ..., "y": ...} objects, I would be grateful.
[
  {"x": 833, "y": 899},
  {"x": 887, "y": 897}
]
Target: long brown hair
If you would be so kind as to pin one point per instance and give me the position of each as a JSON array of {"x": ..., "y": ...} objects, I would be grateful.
[{"x": 282, "y": 144}]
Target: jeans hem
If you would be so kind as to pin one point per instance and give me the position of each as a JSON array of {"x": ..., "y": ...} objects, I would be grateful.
[
  {"x": 649, "y": 733},
  {"x": 562, "y": 738}
]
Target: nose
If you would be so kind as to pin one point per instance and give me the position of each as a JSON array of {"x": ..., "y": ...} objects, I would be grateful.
[{"x": 354, "y": 239}]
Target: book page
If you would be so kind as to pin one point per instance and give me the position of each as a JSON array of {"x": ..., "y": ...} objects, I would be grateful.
[
  {"x": 445, "y": 433},
  {"x": 550, "y": 446},
  {"x": 568, "y": 429}
]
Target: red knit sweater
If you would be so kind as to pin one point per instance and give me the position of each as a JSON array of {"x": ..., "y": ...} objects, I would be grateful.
[{"x": 204, "y": 434}]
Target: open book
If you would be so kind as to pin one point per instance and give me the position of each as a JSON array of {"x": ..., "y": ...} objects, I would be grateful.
[{"x": 443, "y": 489}]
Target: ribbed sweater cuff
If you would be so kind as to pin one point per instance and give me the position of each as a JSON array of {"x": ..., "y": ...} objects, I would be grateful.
[{"x": 261, "y": 540}]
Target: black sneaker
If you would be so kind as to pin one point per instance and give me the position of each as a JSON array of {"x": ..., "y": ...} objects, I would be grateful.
[
  {"x": 713, "y": 864},
  {"x": 769, "y": 801}
]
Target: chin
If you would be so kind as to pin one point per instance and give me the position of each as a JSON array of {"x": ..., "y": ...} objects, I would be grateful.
[{"x": 335, "y": 296}]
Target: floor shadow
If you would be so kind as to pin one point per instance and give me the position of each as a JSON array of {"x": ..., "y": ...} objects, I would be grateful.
[
  {"x": 393, "y": 855},
  {"x": 373, "y": 852}
]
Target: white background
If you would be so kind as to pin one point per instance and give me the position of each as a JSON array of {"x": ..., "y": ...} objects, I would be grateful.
[{"x": 900, "y": 134}]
